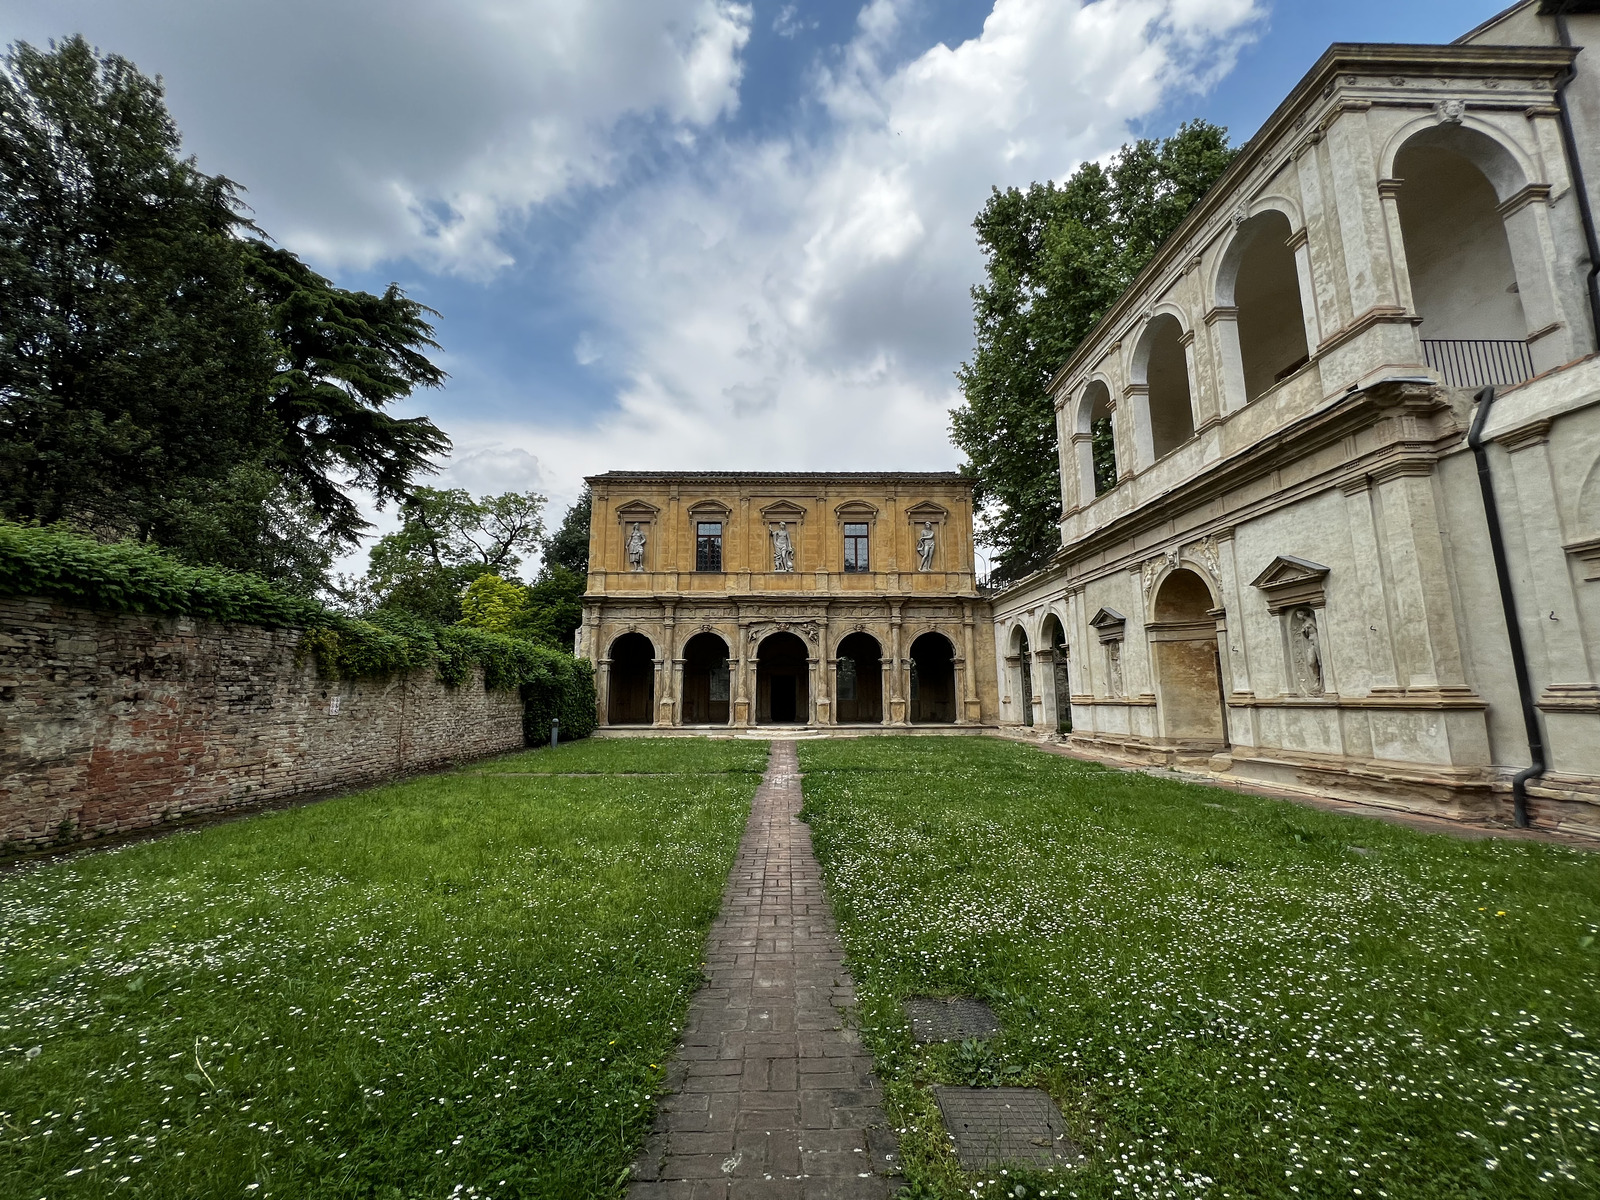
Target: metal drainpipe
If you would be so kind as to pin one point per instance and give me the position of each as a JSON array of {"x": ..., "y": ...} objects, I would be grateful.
[
  {"x": 1508, "y": 603},
  {"x": 1575, "y": 165}
]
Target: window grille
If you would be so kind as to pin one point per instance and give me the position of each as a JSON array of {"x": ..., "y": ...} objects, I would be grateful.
[
  {"x": 855, "y": 548},
  {"x": 708, "y": 546}
]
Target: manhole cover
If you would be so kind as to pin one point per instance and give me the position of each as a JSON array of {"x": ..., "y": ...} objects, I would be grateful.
[
  {"x": 995, "y": 1127},
  {"x": 949, "y": 1019}
]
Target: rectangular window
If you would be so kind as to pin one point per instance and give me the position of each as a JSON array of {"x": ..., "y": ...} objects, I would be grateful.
[
  {"x": 855, "y": 548},
  {"x": 708, "y": 546}
]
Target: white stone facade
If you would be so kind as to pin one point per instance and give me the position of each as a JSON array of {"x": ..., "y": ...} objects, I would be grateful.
[{"x": 1289, "y": 578}]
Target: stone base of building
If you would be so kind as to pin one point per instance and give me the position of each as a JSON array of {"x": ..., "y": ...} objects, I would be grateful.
[
  {"x": 764, "y": 733},
  {"x": 1480, "y": 796}
]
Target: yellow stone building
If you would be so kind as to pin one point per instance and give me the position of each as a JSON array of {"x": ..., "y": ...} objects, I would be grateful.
[{"x": 786, "y": 598}]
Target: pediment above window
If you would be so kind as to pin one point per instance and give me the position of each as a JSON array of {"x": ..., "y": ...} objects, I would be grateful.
[
  {"x": 709, "y": 510},
  {"x": 855, "y": 510},
  {"x": 1109, "y": 624},
  {"x": 927, "y": 510},
  {"x": 637, "y": 510},
  {"x": 1289, "y": 582},
  {"x": 783, "y": 510}
]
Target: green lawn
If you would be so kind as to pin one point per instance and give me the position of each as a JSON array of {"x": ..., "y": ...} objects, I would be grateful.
[
  {"x": 1229, "y": 996},
  {"x": 640, "y": 755},
  {"x": 457, "y": 985}
]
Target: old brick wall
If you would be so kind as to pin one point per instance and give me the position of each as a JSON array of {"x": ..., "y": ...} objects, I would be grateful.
[{"x": 115, "y": 722}]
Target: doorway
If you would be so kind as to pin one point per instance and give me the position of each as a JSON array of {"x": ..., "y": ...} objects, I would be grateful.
[
  {"x": 705, "y": 680},
  {"x": 633, "y": 676},
  {"x": 933, "y": 680},
  {"x": 1183, "y": 641},
  {"x": 783, "y": 694},
  {"x": 859, "y": 691}
]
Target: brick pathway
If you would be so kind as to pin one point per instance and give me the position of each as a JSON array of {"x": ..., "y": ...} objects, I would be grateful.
[{"x": 773, "y": 1096}]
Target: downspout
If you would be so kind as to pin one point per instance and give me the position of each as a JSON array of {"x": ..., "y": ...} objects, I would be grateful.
[
  {"x": 1569, "y": 141},
  {"x": 1508, "y": 604}
]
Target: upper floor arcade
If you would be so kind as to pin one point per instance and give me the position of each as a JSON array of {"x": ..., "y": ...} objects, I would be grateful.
[
  {"x": 1409, "y": 212},
  {"x": 686, "y": 533}
]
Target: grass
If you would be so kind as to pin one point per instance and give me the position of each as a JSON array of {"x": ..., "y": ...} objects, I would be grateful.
[
  {"x": 1229, "y": 996},
  {"x": 457, "y": 985},
  {"x": 637, "y": 755}
]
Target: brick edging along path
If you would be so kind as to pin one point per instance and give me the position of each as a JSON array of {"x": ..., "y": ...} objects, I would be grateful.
[{"x": 773, "y": 1095}]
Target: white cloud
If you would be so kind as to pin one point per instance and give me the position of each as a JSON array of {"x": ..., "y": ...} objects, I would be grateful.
[
  {"x": 386, "y": 129},
  {"x": 802, "y": 304}
]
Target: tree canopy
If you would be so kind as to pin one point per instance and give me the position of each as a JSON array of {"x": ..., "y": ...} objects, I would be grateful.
[
  {"x": 1056, "y": 257},
  {"x": 165, "y": 373}
]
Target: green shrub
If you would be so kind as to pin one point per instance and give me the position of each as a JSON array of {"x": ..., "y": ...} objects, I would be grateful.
[{"x": 130, "y": 577}]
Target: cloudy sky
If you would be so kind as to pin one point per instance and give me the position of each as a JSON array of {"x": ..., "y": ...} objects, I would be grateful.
[{"x": 690, "y": 233}]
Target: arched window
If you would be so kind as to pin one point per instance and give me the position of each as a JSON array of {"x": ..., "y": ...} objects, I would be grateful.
[
  {"x": 1101, "y": 469},
  {"x": 1162, "y": 367},
  {"x": 1259, "y": 281},
  {"x": 1464, "y": 282}
]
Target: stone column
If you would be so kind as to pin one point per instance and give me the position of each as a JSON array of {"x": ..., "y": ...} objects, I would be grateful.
[
  {"x": 741, "y": 679},
  {"x": 602, "y": 692},
  {"x": 1369, "y": 586},
  {"x": 1044, "y": 699},
  {"x": 671, "y": 677},
  {"x": 972, "y": 703},
  {"x": 826, "y": 714},
  {"x": 897, "y": 702},
  {"x": 1566, "y": 676},
  {"x": 1426, "y": 643},
  {"x": 1223, "y": 322},
  {"x": 813, "y": 699}
]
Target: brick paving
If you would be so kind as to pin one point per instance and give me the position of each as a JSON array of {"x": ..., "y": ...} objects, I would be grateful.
[{"x": 773, "y": 1095}]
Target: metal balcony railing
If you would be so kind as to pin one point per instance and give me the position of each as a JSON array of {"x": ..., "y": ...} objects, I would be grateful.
[{"x": 1478, "y": 362}]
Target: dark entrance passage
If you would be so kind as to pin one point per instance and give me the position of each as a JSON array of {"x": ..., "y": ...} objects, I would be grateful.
[
  {"x": 705, "y": 681},
  {"x": 859, "y": 693},
  {"x": 1060, "y": 675},
  {"x": 633, "y": 678},
  {"x": 933, "y": 680},
  {"x": 783, "y": 696}
]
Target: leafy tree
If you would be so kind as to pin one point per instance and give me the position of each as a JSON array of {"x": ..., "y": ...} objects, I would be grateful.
[
  {"x": 1057, "y": 257},
  {"x": 491, "y": 603},
  {"x": 554, "y": 607},
  {"x": 164, "y": 374},
  {"x": 446, "y": 540},
  {"x": 569, "y": 546}
]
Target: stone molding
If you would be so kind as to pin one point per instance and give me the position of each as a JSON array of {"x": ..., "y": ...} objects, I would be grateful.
[{"x": 1291, "y": 582}]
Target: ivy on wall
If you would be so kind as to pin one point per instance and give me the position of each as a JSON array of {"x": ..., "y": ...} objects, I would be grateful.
[{"x": 129, "y": 577}]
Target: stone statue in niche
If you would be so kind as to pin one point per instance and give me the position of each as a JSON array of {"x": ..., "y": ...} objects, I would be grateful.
[
  {"x": 925, "y": 547},
  {"x": 782, "y": 549},
  {"x": 636, "y": 548},
  {"x": 1114, "y": 668},
  {"x": 1305, "y": 651}
]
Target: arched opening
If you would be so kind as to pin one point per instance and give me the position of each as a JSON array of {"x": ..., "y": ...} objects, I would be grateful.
[
  {"x": 1183, "y": 643},
  {"x": 1260, "y": 281},
  {"x": 1098, "y": 457},
  {"x": 705, "y": 680},
  {"x": 1162, "y": 367},
  {"x": 859, "y": 683},
  {"x": 1053, "y": 636},
  {"x": 1464, "y": 282},
  {"x": 1022, "y": 679},
  {"x": 783, "y": 692},
  {"x": 633, "y": 680},
  {"x": 933, "y": 680}
]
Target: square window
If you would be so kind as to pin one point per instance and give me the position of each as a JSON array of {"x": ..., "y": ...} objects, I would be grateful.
[
  {"x": 855, "y": 548},
  {"x": 708, "y": 546}
]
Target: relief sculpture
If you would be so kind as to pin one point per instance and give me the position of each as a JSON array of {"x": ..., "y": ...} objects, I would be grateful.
[{"x": 1305, "y": 652}]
